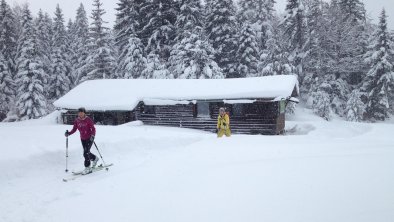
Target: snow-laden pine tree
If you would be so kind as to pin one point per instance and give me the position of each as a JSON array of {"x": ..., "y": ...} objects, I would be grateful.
[
  {"x": 190, "y": 18},
  {"x": 260, "y": 13},
  {"x": 275, "y": 61},
  {"x": 59, "y": 81},
  {"x": 7, "y": 87},
  {"x": 294, "y": 25},
  {"x": 379, "y": 81},
  {"x": 331, "y": 55},
  {"x": 71, "y": 52},
  {"x": 43, "y": 24},
  {"x": 248, "y": 52},
  {"x": 134, "y": 61},
  {"x": 126, "y": 39},
  {"x": 80, "y": 45},
  {"x": 192, "y": 56},
  {"x": 321, "y": 104},
  {"x": 126, "y": 18},
  {"x": 159, "y": 30},
  {"x": 221, "y": 28},
  {"x": 207, "y": 7},
  {"x": 30, "y": 101},
  {"x": 314, "y": 61},
  {"x": 352, "y": 20},
  {"x": 155, "y": 68},
  {"x": 101, "y": 62},
  {"x": 8, "y": 35},
  {"x": 355, "y": 107},
  {"x": 353, "y": 9}
]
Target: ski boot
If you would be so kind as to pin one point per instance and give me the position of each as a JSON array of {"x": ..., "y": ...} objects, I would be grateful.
[
  {"x": 94, "y": 162},
  {"x": 87, "y": 170}
]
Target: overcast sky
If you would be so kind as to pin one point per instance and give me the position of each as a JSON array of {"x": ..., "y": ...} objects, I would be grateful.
[{"x": 69, "y": 7}]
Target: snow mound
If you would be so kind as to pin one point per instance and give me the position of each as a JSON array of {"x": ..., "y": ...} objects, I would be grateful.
[
  {"x": 50, "y": 119},
  {"x": 300, "y": 129},
  {"x": 134, "y": 123}
]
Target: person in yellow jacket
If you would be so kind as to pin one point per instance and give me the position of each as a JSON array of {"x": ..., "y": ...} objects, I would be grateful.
[{"x": 223, "y": 126}]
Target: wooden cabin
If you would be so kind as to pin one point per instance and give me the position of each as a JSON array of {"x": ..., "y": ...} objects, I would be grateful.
[{"x": 255, "y": 105}]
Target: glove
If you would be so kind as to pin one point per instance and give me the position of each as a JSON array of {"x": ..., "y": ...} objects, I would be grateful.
[
  {"x": 66, "y": 133},
  {"x": 91, "y": 138}
]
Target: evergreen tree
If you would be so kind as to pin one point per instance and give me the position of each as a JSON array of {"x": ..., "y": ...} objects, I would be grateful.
[
  {"x": 339, "y": 94},
  {"x": 142, "y": 19},
  {"x": 275, "y": 60},
  {"x": 60, "y": 81},
  {"x": 159, "y": 30},
  {"x": 349, "y": 39},
  {"x": 248, "y": 52},
  {"x": 31, "y": 102},
  {"x": 192, "y": 58},
  {"x": 125, "y": 37},
  {"x": 260, "y": 13},
  {"x": 101, "y": 62},
  {"x": 8, "y": 35},
  {"x": 44, "y": 40},
  {"x": 59, "y": 30},
  {"x": 331, "y": 54},
  {"x": 379, "y": 81},
  {"x": 345, "y": 45},
  {"x": 189, "y": 19},
  {"x": 355, "y": 107},
  {"x": 294, "y": 25},
  {"x": 353, "y": 9},
  {"x": 192, "y": 55},
  {"x": 221, "y": 27},
  {"x": 6, "y": 87},
  {"x": 322, "y": 101},
  {"x": 18, "y": 11},
  {"x": 314, "y": 61},
  {"x": 312, "y": 46},
  {"x": 126, "y": 22},
  {"x": 8, "y": 45},
  {"x": 155, "y": 68},
  {"x": 80, "y": 44},
  {"x": 134, "y": 62},
  {"x": 71, "y": 39}
]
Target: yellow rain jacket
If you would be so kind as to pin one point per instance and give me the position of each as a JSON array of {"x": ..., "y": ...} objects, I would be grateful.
[{"x": 223, "y": 125}]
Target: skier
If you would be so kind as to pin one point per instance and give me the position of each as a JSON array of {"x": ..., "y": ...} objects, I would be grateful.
[
  {"x": 87, "y": 131},
  {"x": 223, "y": 126}
]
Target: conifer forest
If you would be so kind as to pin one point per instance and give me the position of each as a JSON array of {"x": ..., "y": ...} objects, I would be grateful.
[{"x": 343, "y": 61}]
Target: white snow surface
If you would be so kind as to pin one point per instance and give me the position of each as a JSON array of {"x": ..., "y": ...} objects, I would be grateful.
[
  {"x": 319, "y": 171},
  {"x": 125, "y": 94}
]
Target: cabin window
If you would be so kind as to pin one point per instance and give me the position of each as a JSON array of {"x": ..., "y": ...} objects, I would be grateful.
[
  {"x": 238, "y": 110},
  {"x": 203, "y": 109}
]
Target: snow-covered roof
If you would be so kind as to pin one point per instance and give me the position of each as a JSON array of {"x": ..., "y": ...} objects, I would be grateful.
[{"x": 125, "y": 94}]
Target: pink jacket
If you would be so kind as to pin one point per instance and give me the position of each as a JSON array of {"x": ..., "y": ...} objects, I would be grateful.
[{"x": 85, "y": 127}]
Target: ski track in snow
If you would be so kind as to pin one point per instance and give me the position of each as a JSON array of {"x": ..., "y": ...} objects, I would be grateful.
[{"x": 322, "y": 171}]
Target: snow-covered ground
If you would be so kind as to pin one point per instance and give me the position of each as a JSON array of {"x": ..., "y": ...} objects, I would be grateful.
[{"x": 321, "y": 171}]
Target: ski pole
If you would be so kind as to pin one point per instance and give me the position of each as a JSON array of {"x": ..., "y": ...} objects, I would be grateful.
[
  {"x": 100, "y": 154},
  {"x": 67, "y": 152}
]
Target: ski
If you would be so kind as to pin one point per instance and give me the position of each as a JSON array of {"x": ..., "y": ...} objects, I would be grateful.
[{"x": 77, "y": 174}]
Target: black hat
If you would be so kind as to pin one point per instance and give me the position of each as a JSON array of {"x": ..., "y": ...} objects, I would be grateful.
[{"x": 82, "y": 110}]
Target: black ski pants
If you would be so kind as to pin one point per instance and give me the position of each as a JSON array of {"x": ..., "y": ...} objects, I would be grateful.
[{"x": 87, "y": 144}]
